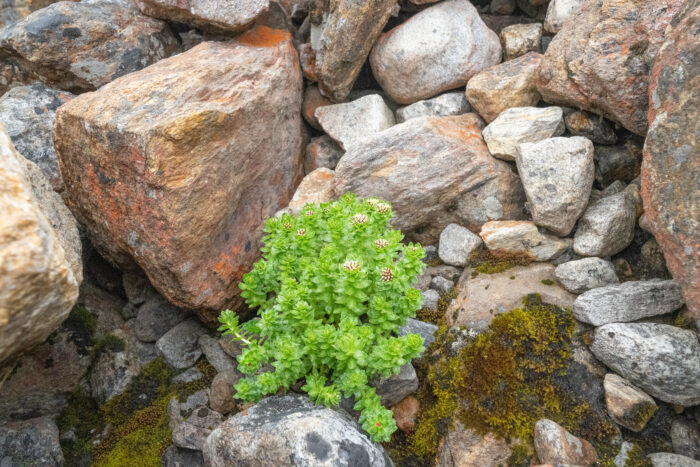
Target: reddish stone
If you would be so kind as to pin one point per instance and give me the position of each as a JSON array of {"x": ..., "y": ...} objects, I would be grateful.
[
  {"x": 312, "y": 101},
  {"x": 405, "y": 413},
  {"x": 180, "y": 163},
  {"x": 670, "y": 183},
  {"x": 600, "y": 62}
]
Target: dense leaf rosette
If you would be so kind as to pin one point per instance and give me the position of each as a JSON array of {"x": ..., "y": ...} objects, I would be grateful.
[{"x": 332, "y": 289}]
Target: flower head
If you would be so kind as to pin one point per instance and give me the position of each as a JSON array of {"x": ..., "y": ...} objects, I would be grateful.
[
  {"x": 382, "y": 208},
  {"x": 351, "y": 265},
  {"x": 309, "y": 213},
  {"x": 287, "y": 225},
  {"x": 301, "y": 232},
  {"x": 359, "y": 218},
  {"x": 381, "y": 243},
  {"x": 387, "y": 275}
]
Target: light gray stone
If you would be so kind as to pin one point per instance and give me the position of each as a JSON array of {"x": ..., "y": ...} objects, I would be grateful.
[
  {"x": 32, "y": 442},
  {"x": 193, "y": 432},
  {"x": 519, "y": 125},
  {"x": 607, "y": 226},
  {"x": 430, "y": 299},
  {"x": 114, "y": 370},
  {"x": 557, "y": 174},
  {"x": 436, "y": 50},
  {"x": 584, "y": 274},
  {"x": 629, "y": 301},
  {"x": 667, "y": 459},
  {"x": 450, "y": 103},
  {"x": 137, "y": 288},
  {"x": 396, "y": 387},
  {"x": 457, "y": 244},
  {"x": 558, "y": 12},
  {"x": 188, "y": 376},
  {"x": 291, "y": 430},
  {"x": 178, "y": 347},
  {"x": 441, "y": 284},
  {"x": 211, "y": 15},
  {"x": 177, "y": 457},
  {"x": 426, "y": 330},
  {"x": 156, "y": 317},
  {"x": 522, "y": 237},
  {"x": 215, "y": 354},
  {"x": 685, "y": 437},
  {"x": 519, "y": 39},
  {"x": 355, "y": 121},
  {"x": 662, "y": 360},
  {"x": 627, "y": 405}
]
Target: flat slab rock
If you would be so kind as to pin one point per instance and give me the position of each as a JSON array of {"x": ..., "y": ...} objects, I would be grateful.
[
  {"x": 518, "y": 125},
  {"x": 482, "y": 297},
  {"x": 629, "y": 301},
  {"x": 355, "y": 121},
  {"x": 435, "y": 171},
  {"x": 187, "y": 204},
  {"x": 662, "y": 360},
  {"x": 80, "y": 47},
  {"x": 212, "y": 15},
  {"x": 291, "y": 430},
  {"x": 522, "y": 237},
  {"x": 584, "y": 274},
  {"x": 450, "y": 103}
]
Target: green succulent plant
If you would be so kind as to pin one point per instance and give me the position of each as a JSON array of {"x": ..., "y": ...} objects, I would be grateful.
[{"x": 331, "y": 291}]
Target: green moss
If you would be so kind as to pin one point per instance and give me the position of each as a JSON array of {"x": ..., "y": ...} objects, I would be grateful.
[
  {"x": 494, "y": 262},
  {"x": 641, "y": 413},
  {"x": 185, "y": 389},
  {"x": 82, "y": 325},
  {"x": 547, "y": 282},
  {"x": 109, "y": 342},
  {"x": 83, "y": 419},
  {"x": 502, "y": 381},
  {"x": 520, "y": 456},
  {"x": 437, "y": 316},
  {"x": 637, "y": 458}
]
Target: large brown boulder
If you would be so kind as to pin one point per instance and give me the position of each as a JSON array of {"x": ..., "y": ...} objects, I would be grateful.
[
  {"x": 601, "y": 58},
  {"x": 180, "y": 163},
  {"x": 435, "y": 171},
  {"x": 79, "y": 47},
  {"x": 670, "y": 181},
  {"x": 342, "y": 34},
  {"x": 40, "y": 267}
]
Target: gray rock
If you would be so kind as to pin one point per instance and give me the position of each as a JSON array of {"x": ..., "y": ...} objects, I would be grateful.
[
  {"x": 28, "y": 113},
  {"x": 113, "y": 370},
  {"x": 666, "y": 459},
  {"x": 662, "y": 360},
  {"x": 558, "y": 12},
  {"x": 457, "y": 244},
  {"x": 178, "y": 411},
  {"x": 557, "y": 174},
  {"x": 441, "y": 284},
  {"x": 129, "y": 311},
  {"x": 430, "y": 299},
  {"x": 222, "y": 391},
  {"x": 685, "y": 437},
  {"x": 519, "y": 39},
  {"x": 414, "y": 326},
  {"x": 193, "y": 432},
  {"x": 32, "y": 442},
  {"x": 519, "y": 125},
  {"x": 436, "y": 50},
  {"x": 176, "y": 457},
  {"x": 555, "y": 445},
  {"x": 137, "y": 288},
  {"x": 211, "y": 15},
  {"x": 448, "y": 272},
  {"x": 291, "y": 430},
  {"x": 355, "y": 121},
  {"x": 422, "y": 282},
  {"x": 396, "y": 387},
  {"x": 155, "y": 317},
  {"x": 322, "y": 151},
  {"x": 623, "y": 455},
  {"x": 590, "y": 125},
  {"x": 215, "y": 354},
  {"x": 431, "y": 253},
  {"x": 502, "y": 7},
  {"x": 188, "y": 376},
  {"x": 450, "y": 103},
  {"x": 607, "y": 226},
  {"x": 179, "y": 345},
  {"x": 629, "y": 301},
  {"x": 627, "y": 405},
  {"x": 522, "y": 237},
  {"x": 619, "y": 162},
  {"x": 585, "y": 274}
]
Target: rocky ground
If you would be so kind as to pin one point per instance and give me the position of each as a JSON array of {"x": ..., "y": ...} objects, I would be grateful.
[{"x": 543, "y": 151}]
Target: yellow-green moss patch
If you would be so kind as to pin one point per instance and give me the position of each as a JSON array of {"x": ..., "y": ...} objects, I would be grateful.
[{"x": 494, "y": 262}]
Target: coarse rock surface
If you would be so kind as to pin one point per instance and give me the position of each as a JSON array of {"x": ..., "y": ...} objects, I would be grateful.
[
  {"x": 394, "y": 388},
  {"x": 600, "y": 60},
  {"x": 355, "y": 121},
  {"x": 662, "y": 360},
  {"x": 32, "y": 443},
  {"x": 215, "y": 354},
  {"x": 315, "y": 188},
  {"x": 628, "y": 405},
  {"x": 313, "y": 99},
  {"x": 212, "y": 15},
  {"x": 607, "y": 226},
  {"x": 342, "y": 34},
  {"x": 177, "y": 457},
  {"x": 178, "y": 347},
  {"x": 137, "y": 288},
  {"x": 441, "y": 284},
  {"x": 519, "y": 125},
  {"x": 291, "y": 430},
  {"x": 619, "y": 162},
  {"x": 510, "y": 84},
  {"x": 435, "y": 171},
  {"x": 557, "y": 174},
  {"x": 481, "y": 298},
  {"x": 40, "y": 251},
  {"x": 322, "y": 151},
  {"x": 426, "y": 330},
  {"x": 522, "y": 237},
  {"x": 79, "y": 47},
  {"x": 592, "y": 126},
  {"x": 667, "y": 459},
  {"x": 685, "y": 437},
  {"x": 113, "y": 370},
  {"x": 156, "y": 317},
  {"x": 629, "y": 301},
  {"x": 670, "y": 186},
  {"x": 28, "y": 114},
  {"x": 557, "y": 446},
  {"x": 464, "y": 446},
  {"x": 436, "y": 50},
  {"x": 558, "y": 11},
  {"x": 519, "y": 39},
  {"x": 450, "y": 103},
  {"x": 584, "y": 274},
  {"x": 430, "y": 299},
  {"x": 222, "y": 391},
  {"x": 187, "y": 204},
  {"x": 457, "y": 244},
  {"x": 193, "y": 432}
]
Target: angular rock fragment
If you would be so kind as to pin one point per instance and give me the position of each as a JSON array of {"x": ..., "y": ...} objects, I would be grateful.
[
  {"x": 315, "y": 188},
  {"x": 522, "y": 237},
  {"x": 457, "y": 244},
  {"x": 519, "y": 39},
  {"x": 178, "y": 347},
  {"x": 450, "y": 103},
  {"x": 584, "y": 274},
  {"x": 31, "y": 442},
  {"x": 519, "y": 125},
  {"x": 592, "y": 126},
  {"x": 211, "y": 15},
  {"x": 557, "y": 446},
  {"x": 355, "y": 121},
  {"x": 558, "y": 11},
  {"x": 322, "y": 151},
  {"x": 627, "y": 405},
  {"x": 607, "y": 226}
]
